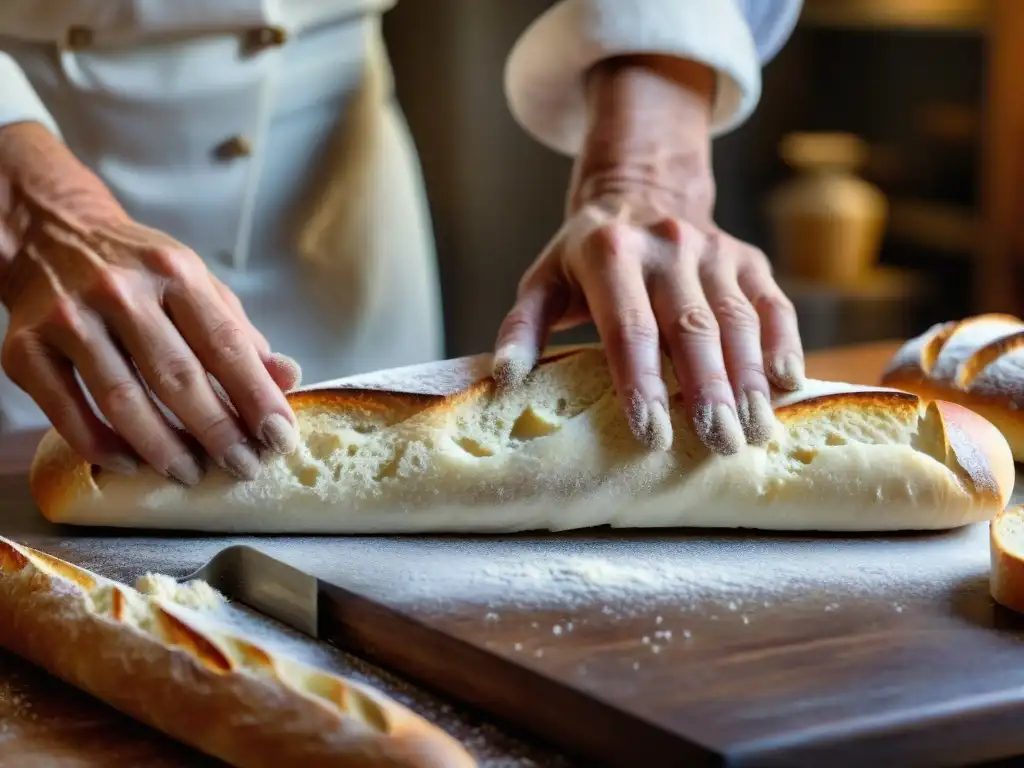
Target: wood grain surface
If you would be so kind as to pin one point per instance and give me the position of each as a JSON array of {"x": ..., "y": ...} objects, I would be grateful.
[{"x": 818, "y": 674}]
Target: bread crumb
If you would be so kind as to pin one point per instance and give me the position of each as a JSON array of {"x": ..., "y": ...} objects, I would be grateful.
[{"x": 195, "y": 594}]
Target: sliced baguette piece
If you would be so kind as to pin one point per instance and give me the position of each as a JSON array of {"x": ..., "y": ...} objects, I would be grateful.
[
  {"x": 1006, "y": 578},
  {"x": 977, "y": 362},
  {"x": 181, "y": 672},
  {"x": 439, "y": 448}
]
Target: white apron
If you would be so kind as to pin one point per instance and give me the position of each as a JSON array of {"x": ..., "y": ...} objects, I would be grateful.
[{"x": 264, "y": 136}]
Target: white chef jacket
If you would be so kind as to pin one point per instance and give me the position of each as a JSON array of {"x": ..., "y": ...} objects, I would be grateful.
[{"x": 223, "y": 123}]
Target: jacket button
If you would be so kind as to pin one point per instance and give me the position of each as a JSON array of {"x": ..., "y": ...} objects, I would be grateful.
[
  {"x": 233, "y": 148},
  {"x": 265, "y": 37},
  {"x": 79, "y": 37}
]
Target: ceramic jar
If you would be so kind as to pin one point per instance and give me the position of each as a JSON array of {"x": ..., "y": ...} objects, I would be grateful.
[{"x": 827, "y": 223}]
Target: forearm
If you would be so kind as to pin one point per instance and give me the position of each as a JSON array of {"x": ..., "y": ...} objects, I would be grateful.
[
  {"x": 648, "y": 132},
  {"x": 41, "y": 178}
]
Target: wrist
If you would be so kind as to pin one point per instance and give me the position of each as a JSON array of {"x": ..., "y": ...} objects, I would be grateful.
[
  {"x": 648, "y": 136},
  {"x": 41, "y": 180}
]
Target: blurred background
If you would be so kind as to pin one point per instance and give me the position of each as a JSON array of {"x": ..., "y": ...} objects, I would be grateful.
[{"x": 881, "y": 173}]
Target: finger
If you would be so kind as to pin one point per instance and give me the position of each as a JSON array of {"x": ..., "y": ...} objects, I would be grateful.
[
  {"x": 234, "y": 304},
  {"x": 523, "y": 333},
  {"x": 126, "y": 405},
  {"x": 780, "y": 331},
  {"x": 285, "y": 371},
  {"x": 741, "y": 341},
  {"x": 616, "y": 293},
  {"x": 694, "y": 344},
  {"x": 49, "y": 379},
  {"x": 226, "y": 350},
  {"x": 173, "y": 372}
]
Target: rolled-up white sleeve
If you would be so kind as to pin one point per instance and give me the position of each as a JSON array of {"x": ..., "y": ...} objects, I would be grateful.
[
  {"x": 18, "y": 99},
  {"x": 545, "y": 70}
]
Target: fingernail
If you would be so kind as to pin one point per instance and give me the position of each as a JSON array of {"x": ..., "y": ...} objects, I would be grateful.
[
  {"x": 638, "y": 416},
  {"x": 659, "y": 428},
  {"x": 512, "y": 364},
  {"x": 120, "y": 464},
  {"x": 718, "y": 428},
  {"x": 278, "y": 433},
  {"x": 756, "y": 417},
  {"x": 185, "y": 469},
  {"x": 241, "y": 461},
  {"x": 787, "y": 371}
]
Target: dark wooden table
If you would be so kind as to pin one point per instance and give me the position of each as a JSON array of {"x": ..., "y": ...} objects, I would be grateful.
[{"x": 44, "y": 722}]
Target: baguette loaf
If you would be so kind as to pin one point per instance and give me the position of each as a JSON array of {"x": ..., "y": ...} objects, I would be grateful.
[
  {"x": 438, "y": 448},
  {"x": 977, "y": 362},
  {"x": 1006, "y": 578},
  {"x": 175, "y": 669}
]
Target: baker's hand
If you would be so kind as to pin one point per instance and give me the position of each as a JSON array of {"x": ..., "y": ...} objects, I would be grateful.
[
  {"x": 641, "y": 257},
  {"x": 137, "y": 316}
]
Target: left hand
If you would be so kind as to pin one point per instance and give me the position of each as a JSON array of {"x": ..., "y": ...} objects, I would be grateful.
[{"x": 640, "y": 255}]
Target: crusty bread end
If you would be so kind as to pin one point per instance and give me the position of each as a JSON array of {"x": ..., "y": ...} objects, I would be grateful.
[
  {"x": 1006, "y": 578},
  {"x": 185, "y": 674}
]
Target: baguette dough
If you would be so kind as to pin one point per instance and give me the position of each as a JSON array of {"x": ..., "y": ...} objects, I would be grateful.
[{"x": 438, "y": 448}]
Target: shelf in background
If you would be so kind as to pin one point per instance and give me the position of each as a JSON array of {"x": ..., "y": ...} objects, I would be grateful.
[
  {"x": 962, "y": 16},
  {"x": 947, "y": 229}
]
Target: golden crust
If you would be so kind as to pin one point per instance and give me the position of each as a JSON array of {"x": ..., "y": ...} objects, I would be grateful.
[
  {"x": 976, "y": 447},
  {"x": 199, "y": 681},
  {"x": 914, "y": 373},
  {"x": 812, "y": 407}
]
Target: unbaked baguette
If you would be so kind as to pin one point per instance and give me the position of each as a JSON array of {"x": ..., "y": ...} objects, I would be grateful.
[
  {"x": 1006, "y": 578},
  {"x": 169, "y": 666},
  {"x": 977, "y": 362},
  {"x": 438, "y": 448}
]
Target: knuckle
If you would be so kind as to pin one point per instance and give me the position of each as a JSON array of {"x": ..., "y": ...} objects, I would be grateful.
[
  {"x": 66, "y": 318},
  {"x": 516, "y": 323},
  {"x": 734, "y": 310},
  {"x": 670, "y": 229},
  {"x": 678, "y": 232},
  {"x": 113, "y": 289},
  {"x": 16, "y": 354},
  {"x": 695, "y": 320},
  {"x": 177, "y": 375},
  {"x": 229, "y": 340},
  {"x": 174, "y": 264},
  {"x": 120, "y": 398},
  {"x": 66, "y": 314},
  {"x": 773, "y": 302},
  {"x": 754, "y": 255},
  {"x": 635, "y": 327},
  {"x": 604, "y": 243}
]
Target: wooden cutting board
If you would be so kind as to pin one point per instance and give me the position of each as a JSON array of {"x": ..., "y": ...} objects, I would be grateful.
[{"x": 743, "y": 649}]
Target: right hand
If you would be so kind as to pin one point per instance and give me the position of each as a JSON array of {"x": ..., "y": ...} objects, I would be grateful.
[{"x": 137, "y": 315}]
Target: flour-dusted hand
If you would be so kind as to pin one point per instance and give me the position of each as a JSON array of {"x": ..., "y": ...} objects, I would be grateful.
[
  {"x": 645, "y": 276},
  {"x": 137, "y": 316},
  {"x": 640, "y": 255}
]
